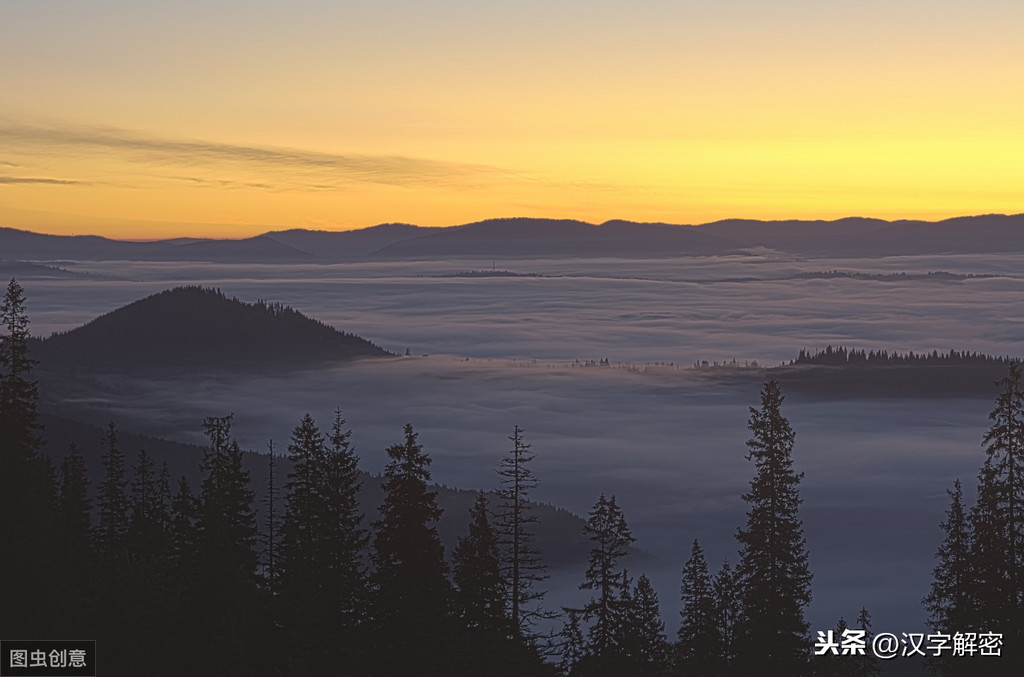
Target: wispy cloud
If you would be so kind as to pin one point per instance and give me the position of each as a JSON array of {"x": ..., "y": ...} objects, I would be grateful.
[
  {"x": 58, "y": 182},
  {"x": 329, "y": 168}
]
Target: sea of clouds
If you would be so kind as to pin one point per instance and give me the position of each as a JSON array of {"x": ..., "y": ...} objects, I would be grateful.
[{"x": 490, "y": 353}]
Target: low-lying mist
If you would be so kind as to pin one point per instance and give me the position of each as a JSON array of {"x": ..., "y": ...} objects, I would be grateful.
[{"x": 668, "y": 442}]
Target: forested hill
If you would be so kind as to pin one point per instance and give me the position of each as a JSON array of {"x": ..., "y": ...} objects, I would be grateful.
[
  {"x": 192, "y": 329},
  {"x": 849, "y": 373}
]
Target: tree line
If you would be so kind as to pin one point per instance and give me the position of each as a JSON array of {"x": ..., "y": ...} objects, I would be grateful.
[{"x": 179, "y": 579}]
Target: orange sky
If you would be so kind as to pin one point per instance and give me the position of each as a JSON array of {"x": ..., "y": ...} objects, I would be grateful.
[{"x": 227, "y": 118}]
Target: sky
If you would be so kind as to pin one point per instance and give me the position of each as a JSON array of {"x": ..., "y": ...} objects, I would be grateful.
[{"x": 226, "y": 119}]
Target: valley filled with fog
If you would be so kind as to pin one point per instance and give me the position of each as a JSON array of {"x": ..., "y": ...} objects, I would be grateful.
[{"x": 488, "y": 352}]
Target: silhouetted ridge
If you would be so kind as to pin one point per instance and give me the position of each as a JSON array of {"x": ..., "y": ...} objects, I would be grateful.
[
  {"x": 192, "y": 328},
  {"x": 559, "y": 237}
]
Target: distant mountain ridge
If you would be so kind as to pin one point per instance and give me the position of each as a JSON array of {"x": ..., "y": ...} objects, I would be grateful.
[
  {"x": 194, "y": 329},
  {"x": 530, "y": 237}
]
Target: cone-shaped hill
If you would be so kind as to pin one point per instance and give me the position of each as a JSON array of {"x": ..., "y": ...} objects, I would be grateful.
[{"x": 192, "y": 329}]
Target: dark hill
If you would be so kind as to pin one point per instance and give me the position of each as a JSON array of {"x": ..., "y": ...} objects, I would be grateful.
[{"x": 191, "y": 329}]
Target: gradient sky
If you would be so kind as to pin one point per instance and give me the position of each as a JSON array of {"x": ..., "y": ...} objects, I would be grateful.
[{"x": 221, "y": 118}]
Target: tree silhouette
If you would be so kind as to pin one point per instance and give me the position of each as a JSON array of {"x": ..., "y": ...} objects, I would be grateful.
[
  {"x": 412, "y": 629},
  {"x": 521, "y": 562},
  {"x": 27, "y": 482},
  {"x": 700, "y": 649},
  {"x": 775, "y": 582},
  {"x": 607, "y": 529}
]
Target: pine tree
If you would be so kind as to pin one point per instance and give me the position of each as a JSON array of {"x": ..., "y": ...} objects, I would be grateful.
[
  {"x": 186, "y": 512},
  {"x": 607, "y": 529},
  {"x": 727, "y": 610},
  {"x": 775, "y": 582},
  {"x": 347, "y": 535},
  {"x": 224, "y": 591},
  {"x": 521, "y": 562},
  {"x": 148, "y": 514},
  {"x": 320, "y": 567},
  {"x": 643, "y": 642},
  {"x": 75, "y": 556},
  {"x": 999, "y": 515},
  {"x": 480, "y": 598},
  {"x": 19, "y": 418},
  {"x": 27, "y": 481},
  {"x": 865, "y": 664},
  {"x": 573, "y": 646},
  {"x": 273, "y": 525},
  {"x": 480, "y": 588},
  {"x": 700, "y": 649},
  {"x": 412, "y": 628},
  {"x": 950, "y": 601},
  {"x": 114, "y": 506}
]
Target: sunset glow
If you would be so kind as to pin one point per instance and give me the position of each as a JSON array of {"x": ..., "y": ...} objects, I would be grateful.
[{"x": 227, "y": 119}]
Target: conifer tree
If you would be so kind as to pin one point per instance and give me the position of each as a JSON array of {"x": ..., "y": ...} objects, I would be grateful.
[
  {"x": 727, "y": 610},
  {"x": 27, "y": 481},
  {"x": 950, "y": 602},
  {"x": 75, "y": 557},
  {"x": 572, "y": 643},
  {"x": 998, "y": 518},
  {"x": 347, "y": 534},
  {"x": 113, "y": 503},
  {"x": 225, "y": 586},
  {"x": 320, "y": 566},
  {"x": 147, "y": 513},
  {"x": 480, "y": 588},
  {"x": 186, "y": 512},
  {"x": 607, "y": 529},
  {"x": 412, "y": 627},
  {"x": 480, "y": 598},
  {"x": 273, "y": 519},
  {"x": 700, "y": 649},
  {"x": 644, "y": 647},
  {"x": 19, "y": 418},
  {"x": 521, "y": 562},
  {"x": 865, "y": 664},
  {"x": 774, "y": 578}
]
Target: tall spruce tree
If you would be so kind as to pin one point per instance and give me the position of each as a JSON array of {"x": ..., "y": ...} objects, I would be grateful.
[
  {"x": 114, "y": 504},
  {"x": 480, "y": 595},
  {"x": 999, "y": 527},
  {"x": 610, "y": 537},
  {"x": 774, "y": 578},
  {"x": 727, "y": 610},
  {"x": 700, "y": 649},
  {"x": 225, "y": 591},
  {"x": 521, "y": 562},
  {"x": 347, "y": 535},
  {"x": 75, "y": 557},
  {"x": 320, "y": 567},
  {"x": 950, "y": 603},
  {"x": 644, "y": 647},
  {"x": 480, "y": 588},
  {"x": 19, "y": 418},
  {"x": 27, "y": 480},
  {"x": 412, "y": 627}
]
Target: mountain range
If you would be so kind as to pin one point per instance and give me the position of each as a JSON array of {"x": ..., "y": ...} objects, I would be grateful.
[{"x": 531, "y": 237}]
